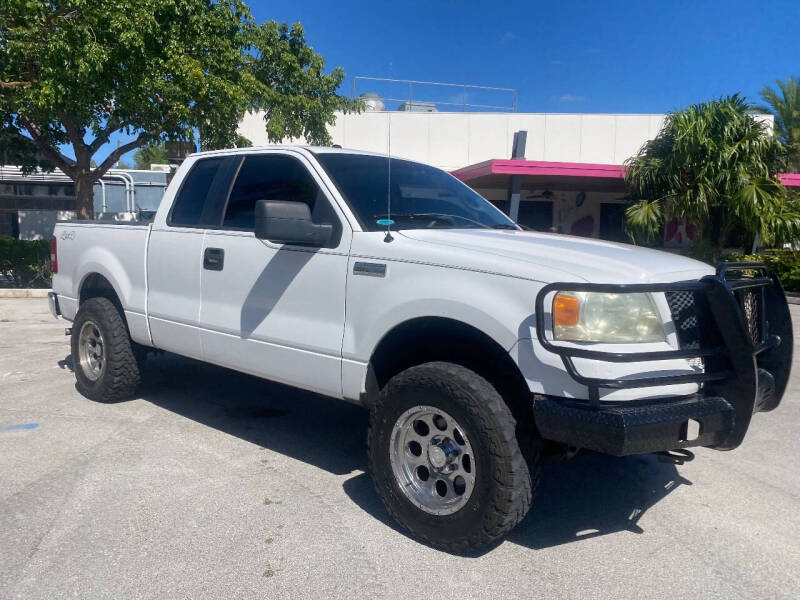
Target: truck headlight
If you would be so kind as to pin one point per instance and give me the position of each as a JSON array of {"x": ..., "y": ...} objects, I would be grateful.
[{"x": 610, "y": 318}]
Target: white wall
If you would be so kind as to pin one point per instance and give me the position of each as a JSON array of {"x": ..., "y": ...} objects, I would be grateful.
[{"x": 454, "y": 140}]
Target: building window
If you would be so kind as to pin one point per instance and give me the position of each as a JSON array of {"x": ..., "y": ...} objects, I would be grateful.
[{"x": 536, "y": 214}]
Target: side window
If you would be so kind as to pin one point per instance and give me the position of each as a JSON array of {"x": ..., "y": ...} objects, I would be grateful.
[
  {"x": 187, "y": 211},
  {"x": 273, "y": 177}
]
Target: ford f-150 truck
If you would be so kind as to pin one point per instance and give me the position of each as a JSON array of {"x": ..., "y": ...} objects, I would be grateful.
[{"x": 477, "y": 346}]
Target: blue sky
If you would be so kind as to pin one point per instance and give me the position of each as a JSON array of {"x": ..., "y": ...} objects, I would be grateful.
[{"x": 602, "y": 56}]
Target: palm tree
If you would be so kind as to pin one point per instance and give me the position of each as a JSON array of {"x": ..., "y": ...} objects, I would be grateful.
[
  {"x": 784, "y": 104},
  {"x": 714, "y": 165}
]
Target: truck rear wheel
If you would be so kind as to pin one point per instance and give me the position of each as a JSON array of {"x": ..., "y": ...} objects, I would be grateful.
[
  {"x": 445, "y": 460},
  {"x": 105, "y": 364}
]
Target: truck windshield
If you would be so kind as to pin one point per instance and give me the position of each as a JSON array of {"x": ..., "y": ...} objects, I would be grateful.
[{"x": 423, "y": 197}]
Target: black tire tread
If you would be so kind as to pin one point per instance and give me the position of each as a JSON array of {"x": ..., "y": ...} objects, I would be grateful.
[
  {"x": 122, "y": 374},
  {"x": 515, "y": 478}
]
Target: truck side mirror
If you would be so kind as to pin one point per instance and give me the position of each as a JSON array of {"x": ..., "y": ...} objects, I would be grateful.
[{"x": 285, "y": 221}]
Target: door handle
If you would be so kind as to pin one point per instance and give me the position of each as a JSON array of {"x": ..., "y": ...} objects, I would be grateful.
[{"x": 214, "y": 259}]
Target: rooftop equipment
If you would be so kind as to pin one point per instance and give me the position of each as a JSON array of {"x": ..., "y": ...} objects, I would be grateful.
[
  {"x": 372, "y": 102},
  {"x": 417, "y": 106}
]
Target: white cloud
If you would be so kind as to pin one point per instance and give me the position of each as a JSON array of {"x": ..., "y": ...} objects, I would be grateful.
[
  {"x": 571, "y": 98},
  {"x": 508, "y": 37}
]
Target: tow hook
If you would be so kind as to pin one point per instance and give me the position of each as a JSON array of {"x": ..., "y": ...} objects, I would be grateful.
[{"x": 675, "y": 457}]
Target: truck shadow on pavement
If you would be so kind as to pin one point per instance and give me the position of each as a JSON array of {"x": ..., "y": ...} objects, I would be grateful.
[
  {"x": 589, "y": 496},
  {"x": 594, "y": 495}
]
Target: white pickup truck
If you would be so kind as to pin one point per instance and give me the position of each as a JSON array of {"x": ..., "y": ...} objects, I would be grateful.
[{"x": 478, "y": 347}]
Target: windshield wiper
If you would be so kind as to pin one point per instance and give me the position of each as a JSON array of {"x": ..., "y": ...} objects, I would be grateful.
[{"x": 505, "y": 226}]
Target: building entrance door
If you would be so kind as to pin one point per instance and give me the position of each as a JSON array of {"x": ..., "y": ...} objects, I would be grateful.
[{"x": 611, "y": 220}]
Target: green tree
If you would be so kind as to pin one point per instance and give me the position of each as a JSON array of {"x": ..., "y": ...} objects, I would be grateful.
[
  {"x": 784, "y": 104},
  {"x": 153, "y": 153},
  {"x": 74, "y": 72},
  {"x": 714, "y": 165},
  {"x": 243, "y": 142}
]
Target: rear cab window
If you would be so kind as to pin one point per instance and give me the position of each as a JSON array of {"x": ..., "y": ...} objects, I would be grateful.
[{"x": 193, "y": 206}]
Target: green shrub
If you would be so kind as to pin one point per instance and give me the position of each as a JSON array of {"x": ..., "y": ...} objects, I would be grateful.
[
  {"x": 703, "y": 250},
  {"x": 25, "y": 263},
  {"x": 784, "y": 262}
]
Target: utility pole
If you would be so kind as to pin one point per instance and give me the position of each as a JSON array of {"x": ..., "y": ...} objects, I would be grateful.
[{"x": 515, "y": 181}]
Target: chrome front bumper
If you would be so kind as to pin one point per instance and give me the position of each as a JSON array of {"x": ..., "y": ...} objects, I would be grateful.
[{"x": 52, "y": 300}]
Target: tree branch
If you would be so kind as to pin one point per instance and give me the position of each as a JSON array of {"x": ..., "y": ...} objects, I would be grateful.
[
  {"x": 58, "y": 159},
  {"x": 118, "y": 152},
  {"x": 104, "y": 134},
  {"x": 76, "y": 134},
  {"x": 64, "y": 11},
  {"x": 15, "y": 84}
]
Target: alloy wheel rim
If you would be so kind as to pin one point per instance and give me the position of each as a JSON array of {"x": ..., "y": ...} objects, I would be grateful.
[
  {"x": 432, "y": 460},
  {"x": 91, "y": 351}
]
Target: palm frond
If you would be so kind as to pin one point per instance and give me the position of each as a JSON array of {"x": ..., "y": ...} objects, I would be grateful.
[
  {"x": 712, "y": 162},
  {"x": 644, "y": 218}
]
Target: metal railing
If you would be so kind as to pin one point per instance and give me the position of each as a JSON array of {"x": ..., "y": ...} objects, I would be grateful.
[
  {"x": 11, "y": 174},
  {"x": 464, "y": 89}
]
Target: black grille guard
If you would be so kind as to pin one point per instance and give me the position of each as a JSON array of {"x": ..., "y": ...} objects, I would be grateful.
[{"x": 731, "y": 367}]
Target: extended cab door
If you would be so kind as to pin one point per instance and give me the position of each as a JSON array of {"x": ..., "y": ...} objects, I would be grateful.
[
  {"x": 275, "y": 310},
  {"x": 175, "y": 251}
]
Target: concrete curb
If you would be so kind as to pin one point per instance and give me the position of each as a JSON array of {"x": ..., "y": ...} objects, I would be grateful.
[
  {"x": 792, "y": 298},
  {"x": 23, "y": 293}
]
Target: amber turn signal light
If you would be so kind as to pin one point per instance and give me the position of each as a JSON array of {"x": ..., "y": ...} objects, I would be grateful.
[{"x": 566, "y": 310}]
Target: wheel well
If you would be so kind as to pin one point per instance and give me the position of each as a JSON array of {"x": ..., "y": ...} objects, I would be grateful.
[
  {"x": 429, "y": 339},
  {"x": 97, "y": 286}
]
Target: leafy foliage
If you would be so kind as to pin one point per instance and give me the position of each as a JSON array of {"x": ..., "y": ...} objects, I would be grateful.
[
  {"x": 25, "y": 263},
  {"x": 784, "y": 104},
  {"x": 714, "y": 165},
  {"x": 785, "y": 262},
  {"x": 294, "y": 90},
  {"x": 74, "y": 72},
  {"x": 153, "y": 153},
  {"x": 242, "y": 142}
]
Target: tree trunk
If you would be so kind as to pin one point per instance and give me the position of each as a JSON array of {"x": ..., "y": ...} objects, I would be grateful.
[
  {"x": 84, "y": 198},
  {"x": 716, "y": 233}
]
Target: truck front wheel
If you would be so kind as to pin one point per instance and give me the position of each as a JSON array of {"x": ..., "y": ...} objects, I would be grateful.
[
  {"x": 445, "y": 459},
  {"x": 103, "y": 357}
]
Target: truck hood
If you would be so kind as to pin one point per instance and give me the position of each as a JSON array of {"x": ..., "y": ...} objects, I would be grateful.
[{"x": 582, "y": 258}]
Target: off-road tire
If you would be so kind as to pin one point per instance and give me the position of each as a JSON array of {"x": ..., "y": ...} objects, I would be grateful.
[
  {"x": 504, "y": 481},
  {"x": 121, "y": 377}
]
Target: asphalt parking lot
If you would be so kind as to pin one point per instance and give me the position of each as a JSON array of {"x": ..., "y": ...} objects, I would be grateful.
[{"x": 214, "y": 484}]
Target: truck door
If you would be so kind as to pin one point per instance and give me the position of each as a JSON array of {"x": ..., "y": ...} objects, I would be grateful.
[
  {"x": 174, "y": 255},
  {"x": 275, "y": 310}
]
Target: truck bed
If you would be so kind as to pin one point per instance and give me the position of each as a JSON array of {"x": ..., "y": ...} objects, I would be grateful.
[{"x": 113, "y": 250}]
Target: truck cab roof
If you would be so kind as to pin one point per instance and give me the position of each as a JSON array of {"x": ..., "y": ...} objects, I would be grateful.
[{"x": 308, "y": 148}]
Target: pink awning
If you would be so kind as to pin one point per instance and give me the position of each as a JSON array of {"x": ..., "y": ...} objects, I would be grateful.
[
  {"x": 499, "y": 166},
  {"x": 790, "y": 179}
]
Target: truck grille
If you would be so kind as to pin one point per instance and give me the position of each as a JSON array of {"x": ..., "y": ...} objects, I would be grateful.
[
  {"x": 686, "y": 318},
  {"x": 750, "y": 301},
  {"x": 695, "y": 325}
]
